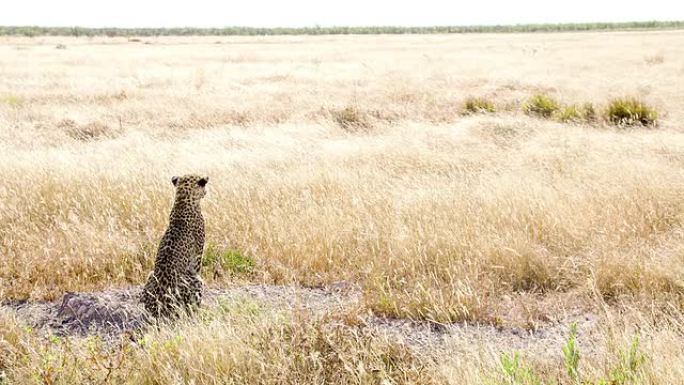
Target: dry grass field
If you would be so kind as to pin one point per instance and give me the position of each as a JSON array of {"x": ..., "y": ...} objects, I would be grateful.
[{"x": 350, "y": 159}]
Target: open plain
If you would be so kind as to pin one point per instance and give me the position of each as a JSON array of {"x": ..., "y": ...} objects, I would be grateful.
[{"x": 362, "y": 225}]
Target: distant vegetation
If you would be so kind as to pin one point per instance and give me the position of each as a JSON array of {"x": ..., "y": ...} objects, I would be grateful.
[
  {"x": 250, "y": 31},
  {"x": 630, "y": 112},
  {"x": 541, "y": 105},
  {"x": 478, "y": 105}
]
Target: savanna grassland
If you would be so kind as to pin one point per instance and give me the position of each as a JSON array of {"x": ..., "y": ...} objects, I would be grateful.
[{"x": 449, "y": 179}]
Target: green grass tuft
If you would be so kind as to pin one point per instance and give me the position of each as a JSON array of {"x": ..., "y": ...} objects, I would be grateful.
[
  {"x": 541, "y": 105},
  {"x": 229, "y": 260},
  {"x": 576, "y": 114},
  {"x": 631, "y": 112},
  {"x": 478, "y": 105},
  {"x": 570, "y": 114}
]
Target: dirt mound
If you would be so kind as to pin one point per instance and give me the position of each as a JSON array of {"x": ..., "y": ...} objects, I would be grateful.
[{"x": 108, "y": 312}]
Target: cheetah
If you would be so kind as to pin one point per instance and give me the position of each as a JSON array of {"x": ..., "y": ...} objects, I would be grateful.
[{"x": 175, "y": 283}]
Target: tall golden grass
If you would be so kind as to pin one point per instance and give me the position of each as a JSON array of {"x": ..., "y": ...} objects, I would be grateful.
[{"x": 435, "y": 221}]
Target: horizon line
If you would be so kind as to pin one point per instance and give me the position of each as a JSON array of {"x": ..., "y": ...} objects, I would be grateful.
[{"x": 319, "y": 26}]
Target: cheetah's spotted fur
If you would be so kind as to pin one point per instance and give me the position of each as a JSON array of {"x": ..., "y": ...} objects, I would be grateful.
[{"x": 175, "y": 283}]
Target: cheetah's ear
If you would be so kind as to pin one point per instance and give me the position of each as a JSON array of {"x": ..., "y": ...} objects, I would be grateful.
[
  {"x": 174, "y": 180},
  {"x": 203, "y": 181}
]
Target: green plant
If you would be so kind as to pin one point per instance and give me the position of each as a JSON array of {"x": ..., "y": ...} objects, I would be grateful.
[
  {"x": 571, "y": 354},
  {"x": 625, "y": 372},
  {"x": 231, "y": 260},
  {"x": 516, "y": 372},
  {"x": 478, "y": 105},
  {"x": 570, "y": 114},
  {"x": 628, "y": 365},
  {"x": 630, "y": 112},
  {"x": 574, "y": 113},
  {"x": 541, "y": 105}
]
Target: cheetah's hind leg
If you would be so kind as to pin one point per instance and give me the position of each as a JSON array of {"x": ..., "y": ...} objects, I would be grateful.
[
  {"x": 192, "y": 298},
  {"x": 150, "y": 301}
]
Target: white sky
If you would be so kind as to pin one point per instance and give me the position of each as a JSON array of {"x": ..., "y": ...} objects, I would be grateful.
[{"x": 271, "y": 13}]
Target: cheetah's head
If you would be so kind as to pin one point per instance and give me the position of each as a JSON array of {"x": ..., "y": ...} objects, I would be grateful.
[{"x": 190, "y": 186}]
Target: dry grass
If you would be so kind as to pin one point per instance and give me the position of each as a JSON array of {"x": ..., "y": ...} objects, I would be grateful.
[
  {"x": 242, "y": 342},
  {"x": 436, "y": 220},
  {"x": 435, "y": 215},
  {"x": 245, "y": 345}
]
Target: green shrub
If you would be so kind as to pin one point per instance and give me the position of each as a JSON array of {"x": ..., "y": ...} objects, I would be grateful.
[
  {"x": 230, "y": 260},
  {"x": 631, "y": 112},
  {"x": 478, "y": 105},
  {"x": 541, "y": 105}
]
